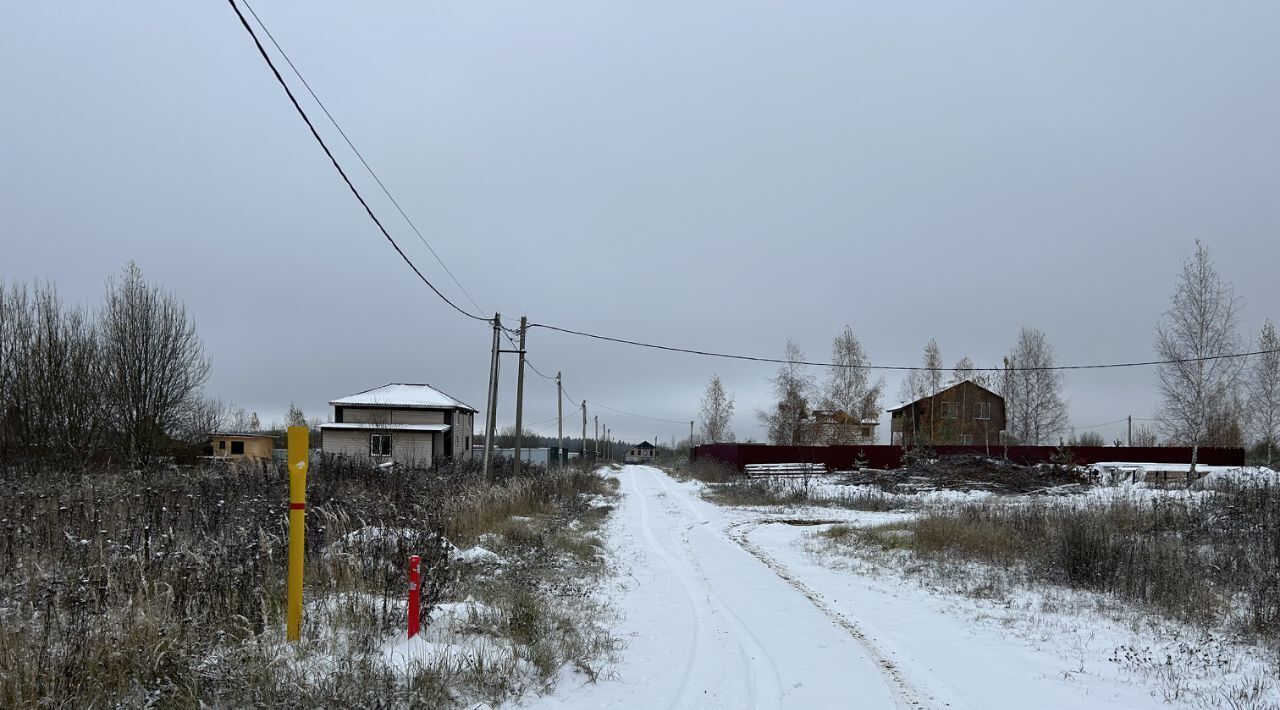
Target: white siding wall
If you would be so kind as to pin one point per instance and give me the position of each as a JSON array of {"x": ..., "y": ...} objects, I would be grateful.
[
  {"x": 411, "y": 447},
  {"x": 356, "y": 443},
  {"x": 371, "y": 415},
  {"x": 463, "y": 423},
  {"x": 407, "y": 447},
  {"x": 417, "y": 416},
  {"x": 344, "y": 442}
]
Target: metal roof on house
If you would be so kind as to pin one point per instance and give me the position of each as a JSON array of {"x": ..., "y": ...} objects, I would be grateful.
[
  {"x": 408, "y": 396},
  {"x": 931, "y": 395},
  {"x": 373, "y": 426},
  {"x": 243, "y": 434}
]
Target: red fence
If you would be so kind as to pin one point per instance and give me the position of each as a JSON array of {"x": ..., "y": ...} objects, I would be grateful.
[{"x": 884, "y": 456}]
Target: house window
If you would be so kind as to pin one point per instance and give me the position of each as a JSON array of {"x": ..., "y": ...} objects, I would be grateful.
[
  {"x": 866, "y": 431},
  {"x": 966, "y": 439},
  {"x": 237, "y": 447},
  {"x": 379, "y": 444},
  {"x": 949, "y": 410},
  {"x": 981, "y": 410},
  {"x": 222, "y": 443}
]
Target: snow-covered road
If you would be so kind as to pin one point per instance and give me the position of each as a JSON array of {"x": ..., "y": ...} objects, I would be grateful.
[{"x": 721, "y": 612}]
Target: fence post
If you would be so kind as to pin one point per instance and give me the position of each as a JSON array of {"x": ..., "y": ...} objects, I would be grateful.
[
  {"x": 298, "y": 461},
  {"x": 415, "y": 587}
]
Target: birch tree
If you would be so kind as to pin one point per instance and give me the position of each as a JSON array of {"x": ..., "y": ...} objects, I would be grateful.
[
  {"x": 792, "y": 388},
  {"x": 849, "y": 388},
  {"x": 716, "y": 411},
  {"x": 1194, "y": 334},
  {"x": 1035, "y": 411},
  {"x": 927, "y": 381},
  {"x": 1264, "y": 392}
]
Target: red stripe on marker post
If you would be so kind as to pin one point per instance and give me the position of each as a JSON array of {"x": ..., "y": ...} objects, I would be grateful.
[{"x": 297, "y": 506}]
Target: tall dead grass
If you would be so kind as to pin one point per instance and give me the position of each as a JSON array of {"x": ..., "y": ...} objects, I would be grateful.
[
  {"x": 166, "y": 589},
  {"x": 1208, "y": 561}
]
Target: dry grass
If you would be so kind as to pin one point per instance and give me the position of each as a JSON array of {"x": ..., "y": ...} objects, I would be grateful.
[
  {"x": 166, "y": 589},
  {"x": 779, "y": 491},
  {"x": 1210, "y": 562}
]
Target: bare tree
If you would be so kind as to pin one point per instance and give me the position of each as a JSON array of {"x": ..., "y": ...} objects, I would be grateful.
[
  {"x": 50, "y": 397},
  {"x": 1197, "y": 330},
  {"x": 716, "y": 411},
  {"x": 237, "y": 420},
  {"x": 205, "y": 416},
  {"x": 927, "y": 381},
  {"x": 793, "y": 389},
  {"x": 1264, "y": 392},
  {"x": 1145, "y": 436},
  {"x": 154, "y": 363},
  {"x": 1035, "y": 411},
  {"x": 849, "y": 390}
]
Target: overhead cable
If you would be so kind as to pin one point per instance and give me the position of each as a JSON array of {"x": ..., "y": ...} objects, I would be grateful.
[{"x": 315, "y": 134}]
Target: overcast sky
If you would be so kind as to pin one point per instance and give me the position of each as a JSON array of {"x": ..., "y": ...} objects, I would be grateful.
[{"x": 716, "y": 175}]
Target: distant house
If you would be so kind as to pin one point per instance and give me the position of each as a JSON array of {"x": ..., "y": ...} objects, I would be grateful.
[
  {"x": 644, "y": 452},
  {"x": 409, "y": 424},
  {"x": 827, "y": 427},
  {"x": 963, "y": 413},
  {"x": 241, "y": 446}
]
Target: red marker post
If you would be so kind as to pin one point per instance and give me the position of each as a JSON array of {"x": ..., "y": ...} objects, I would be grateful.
[{"x": 414, "y": 592}]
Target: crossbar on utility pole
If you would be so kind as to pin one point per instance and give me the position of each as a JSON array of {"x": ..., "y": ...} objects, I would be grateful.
[
  {"x": 490, "y": 419},
  {"x": 524, "y": 327}
]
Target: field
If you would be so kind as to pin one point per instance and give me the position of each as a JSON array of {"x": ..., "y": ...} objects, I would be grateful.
[{"x": 167, "y": 588}]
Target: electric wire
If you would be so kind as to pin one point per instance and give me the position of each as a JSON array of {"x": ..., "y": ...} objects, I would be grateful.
[
  {"x": 904, "y": 368},
  {"x": 632, "y": 414},
  {"x": 360, "y": 155},
  {"x": 337, "y": 166}
]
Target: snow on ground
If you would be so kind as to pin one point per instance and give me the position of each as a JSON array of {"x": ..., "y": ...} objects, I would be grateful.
[{"x": 734, "y": 608}]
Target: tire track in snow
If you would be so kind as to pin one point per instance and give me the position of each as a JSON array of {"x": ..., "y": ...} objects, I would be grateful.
[
  {"x": 671, "y": 563},
  {"x": 905, "y": 695},
  {"x": 762, "y": 664},
  {"x": 764, "y": 686}
]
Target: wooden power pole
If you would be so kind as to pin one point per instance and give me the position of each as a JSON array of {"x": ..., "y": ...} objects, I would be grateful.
[
  {"x": 582, "y": 454},
  {"x": 560, "y": 457},
  {"x": 595, "y": 441},
  {"x": 520, "y": 395},
  {"x": 491, "y": 408}
]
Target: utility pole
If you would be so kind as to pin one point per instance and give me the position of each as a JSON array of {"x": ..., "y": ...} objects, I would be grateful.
[
  {"x": 690, "y": 438},
  {"x": 490, "y": 419},
  {"x": 582, "y": 455},
  {"x": 595, "y": 440},
  {"x": 1129, "y": 439},
  {"x": 520, "y": 395},
  {"x": 560, "y": 457}
]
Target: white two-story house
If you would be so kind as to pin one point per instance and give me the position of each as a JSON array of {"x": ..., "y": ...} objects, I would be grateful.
[{"x": 411, "y": 425}]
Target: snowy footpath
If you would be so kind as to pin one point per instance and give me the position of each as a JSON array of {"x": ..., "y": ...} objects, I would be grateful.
[{"x": 724, "y": 609}]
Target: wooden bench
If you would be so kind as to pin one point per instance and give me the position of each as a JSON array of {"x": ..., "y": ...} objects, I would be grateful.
[{"x": 784, "y": 469}]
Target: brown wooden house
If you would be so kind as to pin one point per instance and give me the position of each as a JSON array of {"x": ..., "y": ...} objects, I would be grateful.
[{"x": 964, "y": 413}]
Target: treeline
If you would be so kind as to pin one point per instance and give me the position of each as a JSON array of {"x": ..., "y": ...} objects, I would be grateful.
[
  {"x": 1209, "y": 394},
  {"x": 122, "y": 382}
]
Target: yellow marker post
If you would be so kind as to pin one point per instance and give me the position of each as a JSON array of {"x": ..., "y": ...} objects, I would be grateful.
[{"x": 298, "y": 458}]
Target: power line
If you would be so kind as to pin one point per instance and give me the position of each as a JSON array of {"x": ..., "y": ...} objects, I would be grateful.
[
  {"x": 909, "y": 368},
  {"x": 360, "y": 155},
  {"x": 351, "y": 186},
  {"x": 632, "y": 414}
]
